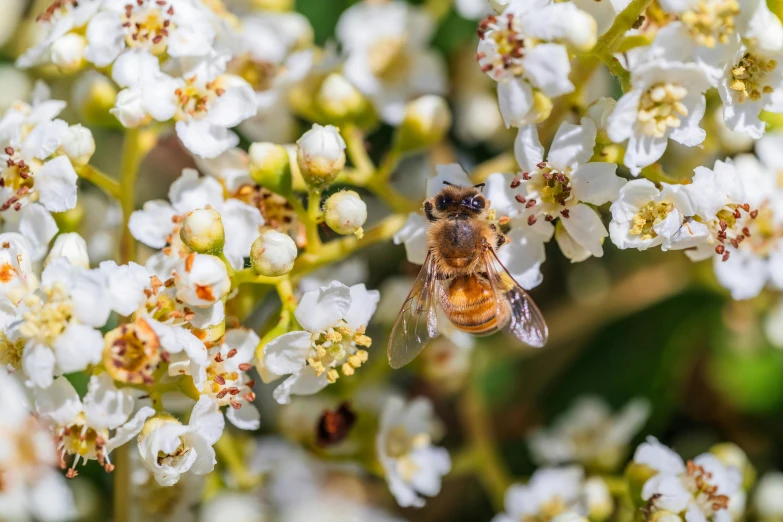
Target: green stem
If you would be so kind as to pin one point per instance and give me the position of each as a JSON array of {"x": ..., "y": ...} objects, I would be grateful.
[
  {"x": 231, "y": 457},
  {"x": 388, "y": 166},
  {"x": 100, "y": 179},
  {"x": 488, "y": 464},
  {"x": 605, "y": 47},
  {"x": 122, "y": 484},
  {"x": 314, "y": 217},
  {"x": 328, "y": 253},
  {"x": 354, "y": 144},
  {"x": 137, "y": 144}
]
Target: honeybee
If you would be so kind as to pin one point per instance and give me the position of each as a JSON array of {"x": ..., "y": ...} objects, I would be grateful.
[{"x": 464, "y": 277}]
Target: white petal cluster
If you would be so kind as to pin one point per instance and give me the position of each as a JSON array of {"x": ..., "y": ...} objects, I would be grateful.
[
  {"x": 414, "y": 467},
  {"x": 588, "y": 434},
  {"x": 388, "y": 56},
  {"x": 526, "y": 50},
  {"x": 334, "y": 319},
  {"x": 698, "y": 490}
]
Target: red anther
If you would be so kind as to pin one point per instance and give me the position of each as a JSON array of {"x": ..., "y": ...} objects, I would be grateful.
[
  {"x": 531, "y": 220},
  {"x": 515, "y": 183},
  {"x": 520, "y": 198}
]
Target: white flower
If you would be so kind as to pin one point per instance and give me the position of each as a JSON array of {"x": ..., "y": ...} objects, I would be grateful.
[
  {"x": 53, "y": 329},
  {"x": 702, "y": 487},
  {"x": 275, "y": 57},
  {"x": 550, "y": 494},
  {"x": 768, "y": 498},
  {"x": 412, "y": 464},
  {"x": 32, "y": 487},
  {"x": 71, "y": 246},
  {"x": 228, "y": 380},
  {"x": 644, "y": 216},
  {"x": 79, "y": 144},
  {"x": 209, "y": 103},
  {"x": 83, "y": 427},
  {"x": 473, "y": 9},
  {"x": 168, "y": 448},
  {"x": 345, "y": 212},
  {"x": 159, "y": 222},
  {"x": 388, "y": 58},
  {"x": 742, "y": 209},
  {"x": 666, "y": 101},
  {"x": 562, "y": 186},
  {"x": 32, "y": 167},
  {"x": 752, "y": 82},
  {"x": 707, "y": 25},
  {"x": 521, "y": 49},
  {"x": 148, "y": 93},
  {"x": 334, "y": 319},
  {"x": 59, "y": 20},
  {"x": 273, "y": 253},
  {"x": 16, "y": 268},
  {"x": 589, "y": 434},
  {"x": 177, "y": 28}
]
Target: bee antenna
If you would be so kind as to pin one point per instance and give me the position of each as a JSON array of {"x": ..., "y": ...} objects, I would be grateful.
[
  {"x": 449, "y": 184},
  {"x": 480, "y": 186}
]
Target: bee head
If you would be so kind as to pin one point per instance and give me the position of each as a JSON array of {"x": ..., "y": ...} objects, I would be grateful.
[{"x": 462, "y": 201}]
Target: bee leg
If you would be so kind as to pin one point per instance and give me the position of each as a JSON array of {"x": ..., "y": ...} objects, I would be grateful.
[
  {"x": 501, "y": 241},
  {"x": 428, "y": 211}
]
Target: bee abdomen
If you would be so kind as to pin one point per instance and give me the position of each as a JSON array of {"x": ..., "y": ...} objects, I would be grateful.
[{"x": 471, "y": 306}]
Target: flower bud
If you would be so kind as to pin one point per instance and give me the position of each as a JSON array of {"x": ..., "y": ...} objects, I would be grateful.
[
  {"x": 78, "y": 145},
  {"x": 732, "y": 455},
  {"x": 320, "y": 154},
  {"x": 637, "y": 475},
  {"x": 67, "y": 52},
  {"x": 599, "y": 500},
  {"x": 542, "y": 106},
  {"x": 129, "y": 110},
  {"x": 273, "y": 5},
  {"x": 270, "y": 167},
  {"x": 71, "y": 246},
  {"x": 426, "y": 121},
  {"x": 345, "y": 212},
  {"x": 94, "y": 95},
  {"x": 273, "y": 254},
  {"x": 499, "y": 5},
  {"x": 339, "y": 100},
  {"x": 202, "y": 231}
]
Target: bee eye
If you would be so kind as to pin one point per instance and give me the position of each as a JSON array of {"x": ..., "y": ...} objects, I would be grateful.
[
  {"x": 442, "y": 202},
  {"x": 478, "y": 203}
]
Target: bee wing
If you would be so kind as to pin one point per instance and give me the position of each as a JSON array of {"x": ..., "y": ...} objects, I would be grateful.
[
  {"x": 417, "y": 322},
  {"x": 527, "y": 323}
]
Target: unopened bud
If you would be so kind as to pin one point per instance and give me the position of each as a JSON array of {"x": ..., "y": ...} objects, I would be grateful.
[
  {"x": 270, "y": 167},
  {"x": 339, "y": 100},
  {"x": 499, "y": 5},
  {"x": 600, "y": 503},
  {"x": 78, "y": 145},
  {"x": 542, "y": 106},
  {"x": 732, "y": 455},
  {"x": 94, "y": 95},
  {"x": 583, "y": 33},
  {"x": 202, "y": 231},
  {"x": 273, "y": 254},
  {"x": 426, "y": 121},
  {"x": 320, "y": 154},
  {"x": 637, "y": 475},
  {"x": 129, "y": 109},
  {"x": 345, "y": 212},
  {"x": 67, "y": 52},
  {"x": 71, "y": 246}
]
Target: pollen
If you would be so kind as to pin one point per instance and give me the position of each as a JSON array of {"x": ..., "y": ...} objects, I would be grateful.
[
  {"x": 661, "y": 107},
  {"x": 338, "y": 348},
  {"x": 47, "y": 316},
  {"x": 645, "y": 220},
  {"x": 147, "y": 24},
  {"x": 711, "y": 22},
  {"x": 196, "y": 98},
  {"x": 131, "y": 353},
  {"x": 400, "y": 445},
  {"x": 749, "y": 77}
]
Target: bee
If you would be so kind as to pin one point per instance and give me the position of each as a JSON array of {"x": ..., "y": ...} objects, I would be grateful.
[{"x": 462, "y": 276}]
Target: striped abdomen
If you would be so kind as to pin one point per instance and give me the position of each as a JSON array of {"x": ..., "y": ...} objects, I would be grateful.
[{"x": 469, "y": 303}]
